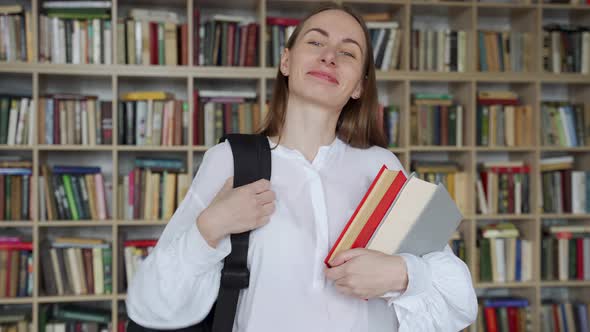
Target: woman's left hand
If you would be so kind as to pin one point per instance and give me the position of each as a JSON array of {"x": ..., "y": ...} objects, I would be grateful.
[{"x": 365, "y": 273}]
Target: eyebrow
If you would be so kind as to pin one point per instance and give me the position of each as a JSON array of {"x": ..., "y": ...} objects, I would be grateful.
[{"x": 325, "y": 33}]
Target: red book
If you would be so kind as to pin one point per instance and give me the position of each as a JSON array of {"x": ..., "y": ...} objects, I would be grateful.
[
  {"x": 17, "y": 246},
  {"x": 490, "y": 101},
  {"x": 580, "y": 258},
  {"x": 143, "y": 243},
  {"x": 153, "y": 43},
  {"x": 491, "y": 322},
  {"x": 512, "y": 319},
  {"x": 283, "y": 21},
  {"x": 363, "y": 236}
]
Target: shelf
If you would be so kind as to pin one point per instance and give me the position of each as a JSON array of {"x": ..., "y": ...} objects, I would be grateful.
[
  {"x": 141, "y": 222},
  {"x": 4, "y": 147},
  {"x": 75, "y": 298},
  {"x": 503, "y": 216},
  {"x": 122, "y": 297},
  {"x": 564, "y": 216},
  {"x": 155, "y": 148},
  {"x": 439, "y": 148},
  {"x": 505, "y": 149},
  {"x": 569, "y": 283},
  {"x": 528, "y": 284},
  {"x": 505, "y": 5},
  {"x": 75, "y": 223},
  {"x": 565, "y": 149},
  {"x": 15, "y": 223},
  {"x": 454, "y": 4},
  {"x": 74, "y": 147},
  {"x": 16, "y": 300},
  {"x": 564, "y": 6}
]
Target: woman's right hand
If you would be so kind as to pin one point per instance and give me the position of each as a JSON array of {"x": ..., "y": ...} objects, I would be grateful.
[{"x": 236, "y": 210}]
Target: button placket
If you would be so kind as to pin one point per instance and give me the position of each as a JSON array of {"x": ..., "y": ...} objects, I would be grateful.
[{"x": 321, "y": 227}]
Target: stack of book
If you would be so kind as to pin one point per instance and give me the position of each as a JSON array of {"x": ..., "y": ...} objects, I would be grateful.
[
  {"x": 566, "y": 49},
  {"x": 386, "y": 39},
  {"x": 72, "y": 193},
  {"x": 565, "y": 316},
  {"x": 435, "y": 119},
  {"x": 153, "y": 188},
  {"x": 76, "y": 32},
  {"x": 17, "y": 119},
  {"x": 505, "y": 51},
  {"x": 76, "y": 266},
  {"x": 503, "y": 255},
  {"x": 16, "y": 267},
  {"x": 75, "y": 119},
  {"x": 564, "y": 189},
  {"x": 502, "y": 120},
  {"x": 152, "y": 118},
  {"x": 278, "y": 31},
  {"x": 16, "y": 319},
  {"x": 134, "y": 252},
  {"x": 442, "y": 50},
  {"x": 504, "y": 314},
  {"x": 565, "y": 124},
  {"x": 391, "y": 124},
  {"x": 503, "y": 187},
  {"x": 15, "y": 188},
  {"x": 448, "y": 173},
  {"x": 16, "y": 31},
  {"x": 70, "y": 317},
  {"x": 566, "y": 253}
]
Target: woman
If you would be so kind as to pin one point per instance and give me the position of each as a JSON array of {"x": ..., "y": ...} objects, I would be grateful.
[{"x": 328, "y": 149}]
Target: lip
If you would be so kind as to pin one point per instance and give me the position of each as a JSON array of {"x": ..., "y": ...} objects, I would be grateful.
[{"x": 324, "y": 75}]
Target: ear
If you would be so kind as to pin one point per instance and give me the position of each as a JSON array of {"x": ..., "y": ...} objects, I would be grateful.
[
  {"x": 358, "y": 89},
  {"x": 285, "y": 62}
]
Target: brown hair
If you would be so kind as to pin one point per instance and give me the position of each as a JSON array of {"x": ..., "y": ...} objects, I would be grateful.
[{"x": 358, "y": 124}]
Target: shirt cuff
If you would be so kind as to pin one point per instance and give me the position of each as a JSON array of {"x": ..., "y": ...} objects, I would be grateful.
[
  {"x": 419, "y": 281},
  {"x": 198, "y": 255}
]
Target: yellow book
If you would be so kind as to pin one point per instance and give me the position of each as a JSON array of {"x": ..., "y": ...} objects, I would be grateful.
[{"x": 146, "y": 95}]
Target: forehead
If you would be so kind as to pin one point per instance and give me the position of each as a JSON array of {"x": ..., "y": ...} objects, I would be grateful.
[{"x": 338, "y": 24}]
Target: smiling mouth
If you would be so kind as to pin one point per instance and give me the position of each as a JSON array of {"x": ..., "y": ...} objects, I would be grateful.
[{"x": 324, "y": 76}]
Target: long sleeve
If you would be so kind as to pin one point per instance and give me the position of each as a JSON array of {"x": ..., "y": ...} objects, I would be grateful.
[
  {"x": 439, "y": 296},
  {"x": 177, "y": 284}
]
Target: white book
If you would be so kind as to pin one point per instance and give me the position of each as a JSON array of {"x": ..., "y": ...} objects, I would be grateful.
[
  {"x": 563, "y": 259},
  {"x": 97, "y": 269},
  {"x": 383, "y": 25},
  {"x": 586, "y": 52},
  {"x": 483, "y": 204},
  {"x": 76, "y": 4},
  {"x": 218, "y": 93},
  {"x": 128, "y": 253},
  {"x": 461, "y": 50},
  {"x": 154, "y": 15},
  {"x": 497, "y": 246},
  {"x": 84, "y": 123},
  {"x": 108, "y": 43},
  {"x": 76, "y": 43},
  {"x": 12, "y": 123},
  {"x": 587, "y": 258},
  {"x": 518, "y": 196},
  {"x": 149, "y": 121},
  {"x": 209, "y": 124},
  {"x": 578, "y": 193},
  {"x": 21, "y": 123},
  {"x": 388, "y": 50},
  {"x": 556, "y": 51},
  {"x": 97, "y": 43},
  {"x": 138, "y": 44},
  {"x": 61, "y": 41}
]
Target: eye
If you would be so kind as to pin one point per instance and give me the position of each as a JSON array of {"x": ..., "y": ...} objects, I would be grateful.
[
  {"x": 348, "y": 54},
  {"x": 314, "y": 43}
]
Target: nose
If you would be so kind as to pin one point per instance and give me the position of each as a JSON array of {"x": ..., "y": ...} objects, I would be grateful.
[{"x": 328, "y": 57}]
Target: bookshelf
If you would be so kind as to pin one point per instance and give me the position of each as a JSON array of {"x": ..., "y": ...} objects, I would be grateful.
[{"x": 395, "y": 87}]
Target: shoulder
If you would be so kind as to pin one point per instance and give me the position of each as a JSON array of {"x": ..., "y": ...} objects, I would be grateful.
[
  {"x": 374, "y": 157},
  {"x": 215, "y": 168}
]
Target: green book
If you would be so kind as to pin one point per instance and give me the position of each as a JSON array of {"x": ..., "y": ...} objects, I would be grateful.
[
  {"x": 107, "y": 267},
  {"x": 485, "y": 260},
  {"x": 70, "y": 196},
  {"x": 81, "y": 314},
  {"x": 425, "y": 95}
]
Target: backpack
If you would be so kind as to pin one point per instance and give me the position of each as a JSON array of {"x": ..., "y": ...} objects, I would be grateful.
[{"x": 252, "y": 162}]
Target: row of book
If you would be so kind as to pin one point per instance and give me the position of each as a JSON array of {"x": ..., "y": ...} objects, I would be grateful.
[
  {"x": 16, "y": 267},
  {"x": 558, "y": 316},
  {"x": 565, "y": 190},
  {"x": 66, "y": 119},
  {"x": 386, "y": 39},
  {"x": 75, "y": 317},
  {"x": 17, "y": 118},
  {"x": 503, "y": 187},
  {"x": 152, "y": 118},
  {"x": 436, "y": 119},
  {"x": 278, "y": 31},
  {"x": 503, "y": 314},
  {"x": 153, "y": 189},
  {"x": 72, "y": 193},
  {"x": 76, "y": 266},
  {"x": 134, "y": 252},
  {"x": 441, "y": 50},
  {"x": 565, "y": 124},
  {"x": 457, "y": 244},
  {"x": 391, "y": 124},
  {"x": 17, "y": 319},
  {"x": 16, "y": 34},
  {"x": 447, "y": 173},
  {"x": 502, "y": 121},
  {"x": 503, "y": 255},
  {"x": 566, "y": 253},
  {"x": 502, "y": 51},
  {"x": 15, "y": 190},
  {"x": 566, "y": 49}
]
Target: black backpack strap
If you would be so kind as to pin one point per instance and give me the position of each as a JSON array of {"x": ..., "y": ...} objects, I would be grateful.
[{"x": 251, "y": 163}]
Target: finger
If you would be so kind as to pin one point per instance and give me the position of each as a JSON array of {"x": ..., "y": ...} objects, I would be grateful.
[
  {"x": 265, "y": 197},
  {"x": 343, "y": 289},
  {"x": 335, "y": 273},
  {"x": 268, "y": 209},
  {"x": 347, "y": 255},
  {"x": 258, "y": 186}
]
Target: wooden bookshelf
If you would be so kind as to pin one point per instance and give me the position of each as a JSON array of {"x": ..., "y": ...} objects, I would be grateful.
[{"x": 399, "y": 84}]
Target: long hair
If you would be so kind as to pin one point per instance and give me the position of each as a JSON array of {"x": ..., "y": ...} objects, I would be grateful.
[{"x": 358, "y": 124}]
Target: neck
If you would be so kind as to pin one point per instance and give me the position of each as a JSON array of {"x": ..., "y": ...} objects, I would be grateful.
[{"x": 308, "y": 127}]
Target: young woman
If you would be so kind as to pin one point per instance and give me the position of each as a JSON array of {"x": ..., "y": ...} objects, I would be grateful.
[{"x": 327, "y": 150}]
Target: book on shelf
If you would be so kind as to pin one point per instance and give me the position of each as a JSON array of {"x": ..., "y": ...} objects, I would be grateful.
[
  {"x": 74, "y": 119},
  {"x": 16, "y": 266},
  {"x": 504, "y": 51},
  {"x": 566, "y": 253},
  {"x": 68, "y": 317},
  {"x": 134, "y": 252},
  {"x": 566, "y": 48},
  {"x": 457, "y": 244},
  {"x": 503, "y": 187},
  {"x": 391, "y": 123},
  {"x": 152, "y": 118},
  {"x": 72, "y": 193},
  {"x": 15, "y": 189},
  {"x": 400, "y": 215},
  {"x": 76, "y": 266},
  {"x": 436, "y": 120},
  {"x": 278, "y": 31},
  {"x": 16, "y": 34},
  {"x": 386, "y": 38},
  {"x": 503, "y": 314},
  {"x": 17, "y": 120},
  {"x": 560, "y": 315},
  {"x": 565, "y": 124},
  {"x": 448, "y": 173},
  {"x": 443, "y": 50},
  {"x": 153, "y": 188},
  {"x": 502, "y": 120},
  {"x": 16, "y": 318},
  {"x": 564, "y": 189},
  {"x": 503, "y": 256}
]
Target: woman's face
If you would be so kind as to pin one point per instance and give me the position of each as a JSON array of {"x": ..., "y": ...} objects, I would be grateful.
[{"x": 325, "y": 64}]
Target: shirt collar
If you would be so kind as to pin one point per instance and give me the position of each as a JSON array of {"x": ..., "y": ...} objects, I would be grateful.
[{"x": 325, "y": 152}]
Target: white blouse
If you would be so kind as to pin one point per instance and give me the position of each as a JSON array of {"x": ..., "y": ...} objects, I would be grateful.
[{"x": 177, "y": 284}]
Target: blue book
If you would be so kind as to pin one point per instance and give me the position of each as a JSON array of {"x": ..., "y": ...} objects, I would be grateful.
[
  {"x": 582, "y": 321},
  {"x": 562, "y": 309},
  {"x": 15, "y": 171},
  {"x": 506, "y": 302},
  {"x": 518, "y": 267},
  {"x": 75, "y": 170}
]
